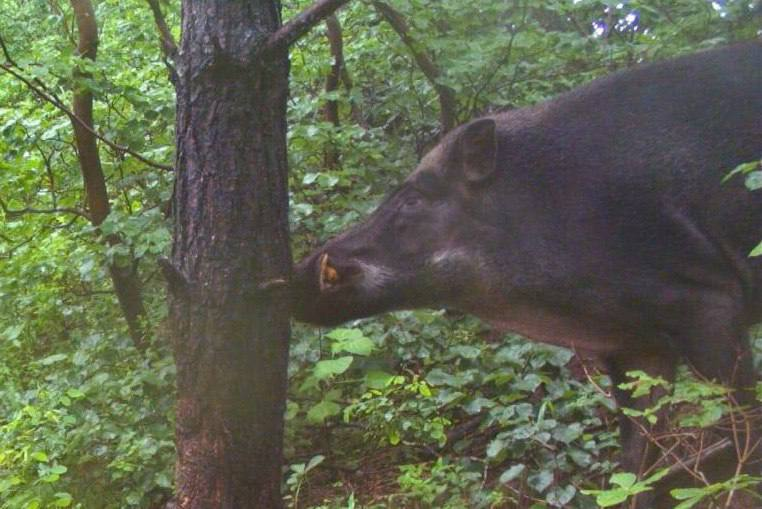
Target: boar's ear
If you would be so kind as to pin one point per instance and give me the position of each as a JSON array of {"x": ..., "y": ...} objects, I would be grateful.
[{"x": 478, "y": 149}]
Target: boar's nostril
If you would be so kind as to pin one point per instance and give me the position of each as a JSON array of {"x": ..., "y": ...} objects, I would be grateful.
[
  {"x": 329, "y": 276},
  {"x": 334, "y": 272}
]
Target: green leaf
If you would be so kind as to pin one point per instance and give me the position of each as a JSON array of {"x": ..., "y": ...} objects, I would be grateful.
[
  {"x": 495, "y": 448},
  {"x": 476, "y": 405},
  {"x": 314, "y": 461},
  {"x": 377, "y": 379},
  {"x": 540, "y": 481},
  {"x": 356, "y": 345},
  {"x": 52, "y": 359},
  {"x": 611, "y": 498},
  {"x": 757, "y": 251},
  {"x": 512, "y": 473},
  {"x": 466, "y": 351},
  {"x": 754, "y": 180},
  {"x": 12, "y": 332},
  {"x": 292, "y": 410},
  {"x": 342, "y": 334},
  {"x": 624, "y": 479},
  {"x": 742, "y": 169},
  {"x": 689, "y": 496},
  {"x": 658, "y": 475},
  {"x": 39, "y": 456},
  {"x": 528, "y": 383},
  {"x": 560, "y": 496},
  {"x": 580, "y": 457},
  {"x": 567, "y": 434},
  {"x": 439, "y": 377},
  {"x": 329, "y": 368},
  {"x": 58, "y": 469},
  {"x": 75, "y": 393},
  {"x": 686, "y": 493},
  {"x": 322, "y": 411}
]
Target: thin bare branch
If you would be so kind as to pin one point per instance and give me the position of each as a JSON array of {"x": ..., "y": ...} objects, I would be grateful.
[
  {"x": 6, "y": 53},
  {"x": 447, "y": 103},
  {"x": 168, "y": 44},
  {"x": 13, "y": 213},
  {"x": 68, "y": 32},
  {"x": 46, "y": 95}
]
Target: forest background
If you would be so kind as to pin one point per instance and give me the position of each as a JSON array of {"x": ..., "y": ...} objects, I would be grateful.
[{"x": 410, "y": 409}]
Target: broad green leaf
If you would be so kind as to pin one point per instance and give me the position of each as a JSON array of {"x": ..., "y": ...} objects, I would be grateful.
[
  {"x": 656, "y": 476},
  {"x": 611, "y": 498},
  {"x": 62, "y": 500},
  {"x": 512, "y": 473},
  {"x": 377, "y": 379},
  {"x": 686, "y": 493},
  {"x": 342, "y": 334},
  {"x": 560, "y": 496},
  {"x": 541, "y": 480},
  {"x": 358, "y": 346},
  {"x": 495, "y": 448},
  {"x": 329, "y": 368},
  {"x": 624, "y": 479},
  {"x": 314, "y": 461},
  {"x": 322, "y": 411},
  {"x": 754, "y": 180},
  {"x": 75, "y": 393},
  {"x": 39, "y": 456}
]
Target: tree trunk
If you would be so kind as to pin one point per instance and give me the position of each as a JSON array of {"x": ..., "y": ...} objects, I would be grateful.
[
  {"x": 231, "y": 234},
  {"x": 124, "y": 277}
]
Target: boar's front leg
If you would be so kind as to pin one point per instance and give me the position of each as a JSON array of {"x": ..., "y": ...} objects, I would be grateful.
[{"x": 639, "y": 454}]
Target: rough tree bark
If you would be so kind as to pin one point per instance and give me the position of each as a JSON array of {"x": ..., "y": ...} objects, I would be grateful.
[
  {"x": 124, "y": 277},
  {"x": 230, "y": 327},
  {"x": 448, "y": 105}
]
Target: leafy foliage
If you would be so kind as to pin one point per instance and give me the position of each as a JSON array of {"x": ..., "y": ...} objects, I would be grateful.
[
  {"x": 626, "y": 485},
  {"x": 411, "y": 409}
]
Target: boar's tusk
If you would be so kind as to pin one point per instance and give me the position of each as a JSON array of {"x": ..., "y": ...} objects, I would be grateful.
[{"x": 328, "y": 274}]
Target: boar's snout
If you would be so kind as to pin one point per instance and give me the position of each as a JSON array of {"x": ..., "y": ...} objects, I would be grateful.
[
  {"x": 333, "y": 273},
  {"x": 323, "y": 284}
]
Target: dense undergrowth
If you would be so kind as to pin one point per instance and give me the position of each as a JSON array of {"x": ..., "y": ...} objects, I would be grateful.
[{"x": 412, "y": 409}]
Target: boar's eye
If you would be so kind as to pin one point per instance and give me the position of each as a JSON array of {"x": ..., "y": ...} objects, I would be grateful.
[{"x": 412, "y": 201}]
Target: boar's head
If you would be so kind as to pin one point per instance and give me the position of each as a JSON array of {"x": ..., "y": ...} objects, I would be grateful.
[{"x": 424, "y": 246}]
